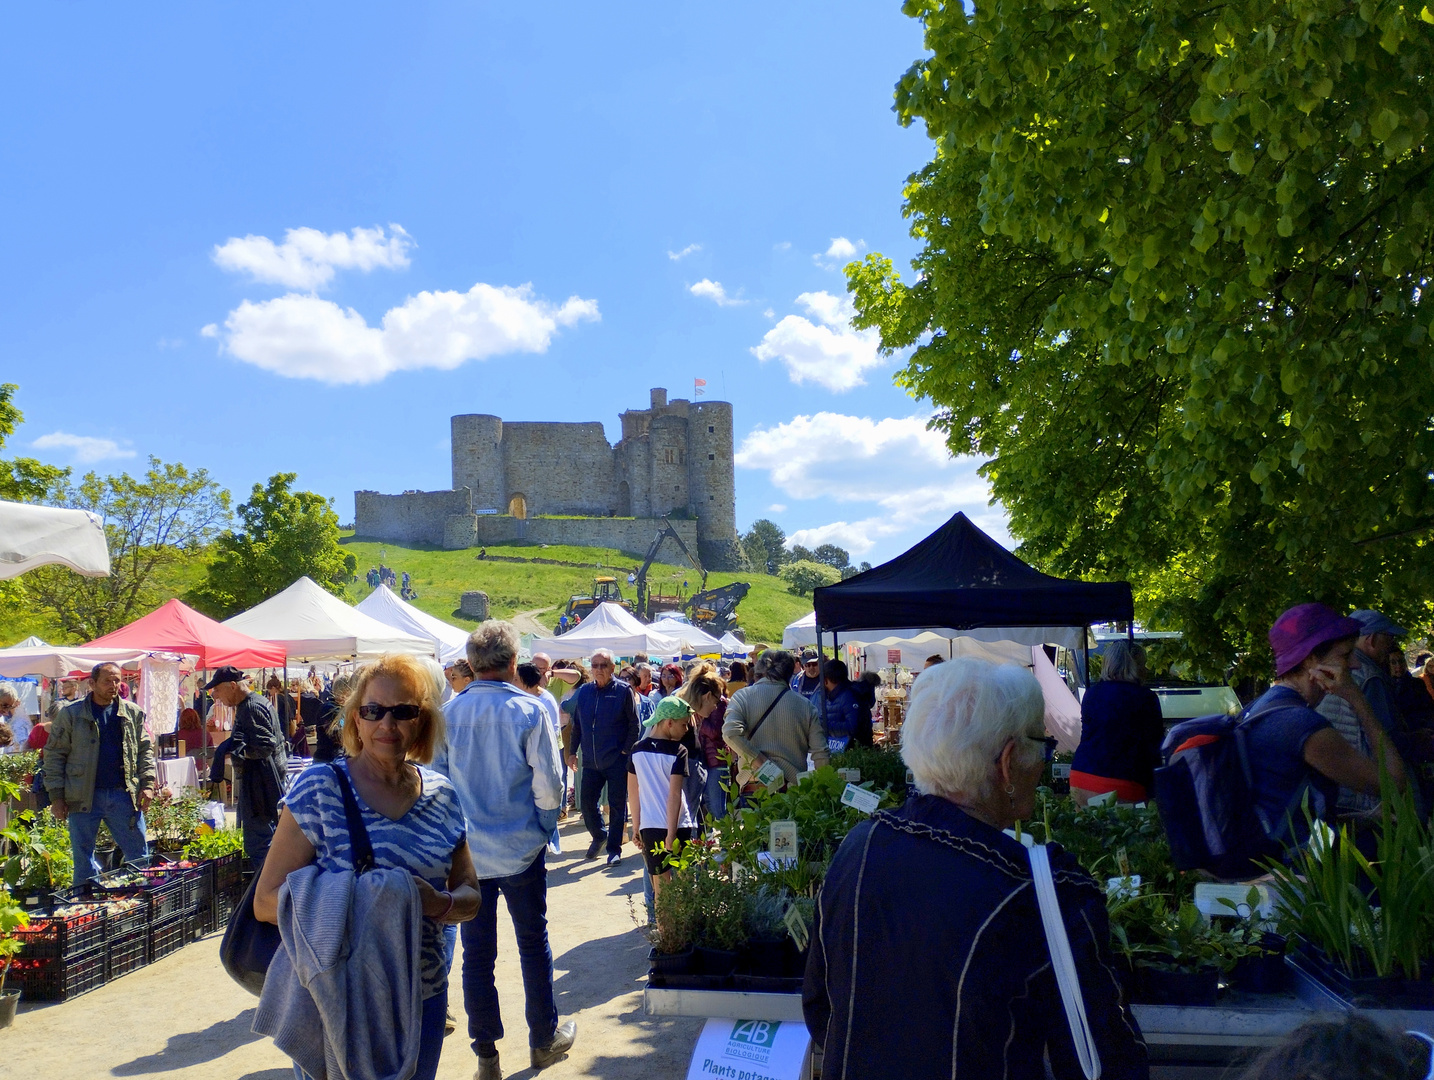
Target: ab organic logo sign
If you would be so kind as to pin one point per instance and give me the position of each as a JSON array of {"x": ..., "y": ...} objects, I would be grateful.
[
  {"x": 752, "y": 1039},
  {"x": 748, "y": 1043}
]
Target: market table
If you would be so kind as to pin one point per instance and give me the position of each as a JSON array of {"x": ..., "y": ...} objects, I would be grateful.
[{"x": 176, "y": 774}]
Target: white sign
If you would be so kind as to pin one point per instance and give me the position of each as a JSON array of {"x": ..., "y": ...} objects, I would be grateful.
[
  {"x": 770, "y": 774},
  {"x": 861, "y": 799},
  {"x": 750, "y": 1050}
]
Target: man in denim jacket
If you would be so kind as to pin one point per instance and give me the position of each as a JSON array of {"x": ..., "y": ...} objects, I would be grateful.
[{"x": 605, "y": 726}]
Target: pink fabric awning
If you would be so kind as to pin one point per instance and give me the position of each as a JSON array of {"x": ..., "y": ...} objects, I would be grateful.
[{"x": 176, "y": 627}]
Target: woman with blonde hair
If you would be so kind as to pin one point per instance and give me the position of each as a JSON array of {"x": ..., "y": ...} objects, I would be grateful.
[
  {"x": 706, "y": 693},
  {"x": 392, "y": 726}
]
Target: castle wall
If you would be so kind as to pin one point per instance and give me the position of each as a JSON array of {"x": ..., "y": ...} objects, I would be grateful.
[
  {"x": 559, "y": 468},
  {"x": 626, "y": 534},
  {"x": 478, "y": 459},
  {"x": 415, "y": 517}
]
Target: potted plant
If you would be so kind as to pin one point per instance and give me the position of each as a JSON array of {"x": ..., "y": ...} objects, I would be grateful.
[
  {"x": 1261, "y": 969},
  {"x": 172, "y": 821},
  {"x": 674, "y": 927},
  {"x": 764, "y": 913},
  {"x": 1174, "y": 956},
  {"x": 721, "y": 905},
  {"x": 12, "y": 918},
  {"x": 39, "y": 863}
]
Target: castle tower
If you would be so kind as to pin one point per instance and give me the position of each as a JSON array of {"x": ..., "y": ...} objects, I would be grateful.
[
  {"x": 711, "y": 483},
  {"x": 478, "y": 459}
]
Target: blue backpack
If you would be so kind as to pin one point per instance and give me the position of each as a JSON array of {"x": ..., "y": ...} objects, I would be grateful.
[{"x": 1206, "y": 795}]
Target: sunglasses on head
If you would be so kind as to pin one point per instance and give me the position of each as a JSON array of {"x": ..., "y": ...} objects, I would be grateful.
[{"x": 401, "y": 713}]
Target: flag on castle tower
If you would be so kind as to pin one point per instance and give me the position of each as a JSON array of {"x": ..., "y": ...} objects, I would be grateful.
[{"x": 697, "y": 387}]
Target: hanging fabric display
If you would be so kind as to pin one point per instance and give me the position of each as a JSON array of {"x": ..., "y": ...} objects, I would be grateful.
[{"x": 159, "y": 695}]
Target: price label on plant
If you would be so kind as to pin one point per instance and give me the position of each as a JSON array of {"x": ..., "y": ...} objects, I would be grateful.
[
  {"x": 769, "y": 774},
  {"x": 860, "y": 799},
  {"x": 783, "y": 841}
]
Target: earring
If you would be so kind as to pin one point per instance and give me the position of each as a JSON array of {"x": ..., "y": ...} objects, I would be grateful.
[{"x": 1011, "y": 794}]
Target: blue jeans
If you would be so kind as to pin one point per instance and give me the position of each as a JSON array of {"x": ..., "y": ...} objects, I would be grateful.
[
  {"x": 114, "y": 807},
  {"x": 527, "y": 897},
  {"x": 716, "y": 793},
  {"x": 615, "y": 779},
  {"x": 430, "y": 1038}
]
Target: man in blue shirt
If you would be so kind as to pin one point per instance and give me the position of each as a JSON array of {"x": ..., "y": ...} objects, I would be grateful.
[
  {"x": 99, "y": 766},
  {"x": 605, "y": 726},
  {"x": 501, "y": 753}
]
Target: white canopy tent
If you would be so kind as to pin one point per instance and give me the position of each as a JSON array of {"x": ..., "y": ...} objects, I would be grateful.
[
  {"x": 732, "y": 645},
  {"x": 449, "y": 642},
  {"x": 803, "y": 632},
  {"x": 609, "y": 627},
  {"x": 914, "y": 651},
  {"x": 32, "y": 536},
  {"x": 57, "y": 661},
  {"x": 695, "y": 641},
  {"x": 313, "y": 624}
]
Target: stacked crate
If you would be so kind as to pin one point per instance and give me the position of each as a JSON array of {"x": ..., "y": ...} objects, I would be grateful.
[{"x": 61, "y": 956}]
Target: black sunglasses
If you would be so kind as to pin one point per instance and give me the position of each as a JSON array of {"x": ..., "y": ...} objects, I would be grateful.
[
  {"x": 1050, "y": 742},
  {"x": 401, "y": 713}
]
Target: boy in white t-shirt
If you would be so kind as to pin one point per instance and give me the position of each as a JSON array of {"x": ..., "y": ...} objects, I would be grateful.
[{"x": 657, "y": 767}]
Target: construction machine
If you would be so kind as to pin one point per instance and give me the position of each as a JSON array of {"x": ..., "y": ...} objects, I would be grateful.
[
  {"x": 604, "y": 590},
  {"x": 713, "y": 610}
]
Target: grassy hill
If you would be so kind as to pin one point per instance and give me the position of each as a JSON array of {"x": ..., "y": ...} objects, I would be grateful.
[{"x": 441, "y": 576}]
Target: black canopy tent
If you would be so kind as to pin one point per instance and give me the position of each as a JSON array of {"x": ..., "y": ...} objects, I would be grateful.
[{"x": 959, "y": 578}]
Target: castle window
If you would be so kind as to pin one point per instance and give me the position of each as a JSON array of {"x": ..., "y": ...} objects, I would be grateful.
[
  {"x": 711, "y": 498},
  {"x": 711, "y": 430},
  {"x": 667, "y": 456},
  {"x": 711, "y": 457},
  {"x": 682, "y": 457}
]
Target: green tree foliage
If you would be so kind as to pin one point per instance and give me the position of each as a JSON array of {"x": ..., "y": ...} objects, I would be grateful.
[
  {"x": 805, "y": 575},
  {"x": 286, "y": 535},
  {"x": 765, "y": 545},
  {"x": 157, "y": 526},
  {"x": 1172, "y": 285},
  {"x": 832, "y": 556},
  {"x": 22, "y": 479}
]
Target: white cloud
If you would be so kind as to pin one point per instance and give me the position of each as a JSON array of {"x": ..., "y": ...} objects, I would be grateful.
[
  {"x": 782, "y": 245},
  {"x": 769, "y": 314},
  {"x": 86, "y": 449},
  {"x": 831, "y": 354},
  {"x": 713, "y": 290},
  {"x": 899, "y": 468},
  {"x": 838, "y": 253},
  {"x": 308, "y": 258},
  {"x": 209, "y": 330},
  {"x": 308, "y": 338},
  {"x": 690, "y": 249},
  {"x": 169, "y": 343},
  {"x": 777, "y": 508}
]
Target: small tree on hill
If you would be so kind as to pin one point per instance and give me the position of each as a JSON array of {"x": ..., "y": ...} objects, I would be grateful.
[{"x": 804, "y": 576}]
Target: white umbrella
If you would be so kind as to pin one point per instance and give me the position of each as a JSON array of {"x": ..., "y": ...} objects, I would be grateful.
[{"x": 32, "y": 536}]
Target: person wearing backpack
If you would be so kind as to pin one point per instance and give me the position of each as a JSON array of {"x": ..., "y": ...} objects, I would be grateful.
[{"x": 1291, "y": 745}]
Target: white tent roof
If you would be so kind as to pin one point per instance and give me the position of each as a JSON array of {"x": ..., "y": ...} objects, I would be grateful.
[
  {"x": 32, "y": 536},
  {"x": 450, "y": 642},
  {"x": 804, "y": 632},
  {"x": 316, "y": 625},
  {"x": 608, "y": 627},
  {"x": 914, "y": 651},
  {"x": 57, "y": 661},
  {"x": 694, "y": 640},
  {"x": 732, "y": 645},
  {"x": 31, "y": 642}
]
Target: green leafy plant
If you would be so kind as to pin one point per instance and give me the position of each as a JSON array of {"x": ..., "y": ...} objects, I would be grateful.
[
  {"x": 1148, "y": 933},
  {"x": 174, "y": 821},
  {"x": 16, "y": 769},
  {"x": 12, "y": 918},
  {"x": 884, "y": 768},
  {"x": 764, "y": 912},
  {"x": 214, "y": 844},
  {"x": 38, "y": 849}
]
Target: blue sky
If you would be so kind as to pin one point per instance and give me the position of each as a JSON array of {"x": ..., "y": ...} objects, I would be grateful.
[{"x": 267, "y": 237}]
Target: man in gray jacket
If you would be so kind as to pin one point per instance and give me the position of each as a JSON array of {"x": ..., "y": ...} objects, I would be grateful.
[
  {"x": 99, "y": 766},
  {"x": 770, "y": 721}
]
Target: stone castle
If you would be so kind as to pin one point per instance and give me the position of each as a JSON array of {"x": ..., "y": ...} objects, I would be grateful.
[{"x": 556, "y": 483}]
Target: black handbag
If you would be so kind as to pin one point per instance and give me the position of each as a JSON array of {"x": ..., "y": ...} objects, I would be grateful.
[{"x": 249, "y": 945}]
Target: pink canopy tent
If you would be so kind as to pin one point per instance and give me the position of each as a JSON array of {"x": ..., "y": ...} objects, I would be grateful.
[{"x": 178, "y": 628}]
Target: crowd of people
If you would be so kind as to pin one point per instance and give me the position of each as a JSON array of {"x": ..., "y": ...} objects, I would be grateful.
[{"x": 386, "y": 575}]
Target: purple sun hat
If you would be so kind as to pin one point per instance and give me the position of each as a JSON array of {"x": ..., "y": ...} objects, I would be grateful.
[{"x": 1303, "y": 629}]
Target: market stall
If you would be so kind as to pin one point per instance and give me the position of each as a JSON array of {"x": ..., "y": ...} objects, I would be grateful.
[
  {"x": 449, "y": 642},
  {"x": 177, "y": 628},
  {"x": 609, "y": 627},
  {"x": 313, "y": 624},
  {"x": 695, "y": 641}
]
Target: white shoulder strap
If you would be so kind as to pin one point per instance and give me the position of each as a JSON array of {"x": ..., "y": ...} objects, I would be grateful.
[{"x": 1063, "y": 963}]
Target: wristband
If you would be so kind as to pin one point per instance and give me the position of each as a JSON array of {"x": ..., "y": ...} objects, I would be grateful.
[{"x": 448, "y": 908}]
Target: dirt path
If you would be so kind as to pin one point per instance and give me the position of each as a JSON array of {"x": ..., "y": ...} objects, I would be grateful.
[
  {"x": 527, "y": 622},
  {"x": 182, "y": 1018}
]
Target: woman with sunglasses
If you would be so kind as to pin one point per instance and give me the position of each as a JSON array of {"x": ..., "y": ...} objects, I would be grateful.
[
  {"x": 392, "y": 726},
  {"x": 928, "y": 934}
]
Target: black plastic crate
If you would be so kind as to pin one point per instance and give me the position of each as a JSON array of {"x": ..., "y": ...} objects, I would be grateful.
[
  {"x": 227, "y": 870},
  {"x": 224, "y": 905},
  {"x": 54, "y": 979},
  {"x": 168, "y": 937},
  {"x": 164, "y": 890},
  {"x": 127, "y": 921},
  {"x": 128, "y": 952},
  {"x": 62, "y": 936},
  {"x": 201, "y": 920},
  {"x": 202, "y": 879}
]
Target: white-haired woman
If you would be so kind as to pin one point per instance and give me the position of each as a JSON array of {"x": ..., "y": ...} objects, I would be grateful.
[
  {"x": 1121, "y": 730},
  {"x": 928, "y": 942}
]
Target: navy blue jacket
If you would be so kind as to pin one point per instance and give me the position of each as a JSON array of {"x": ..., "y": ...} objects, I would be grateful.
[
  {"x": 1120, "y": 733},
  {"x": 928, "y": 938},
  {"x": 844, "y": 718},
  {"x": 605, "y": 724}
]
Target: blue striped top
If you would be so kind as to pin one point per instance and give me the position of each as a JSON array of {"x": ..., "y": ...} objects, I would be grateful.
[{"x": 422, "y": 841}]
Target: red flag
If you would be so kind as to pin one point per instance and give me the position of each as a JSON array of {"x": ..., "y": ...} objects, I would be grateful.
[{"x": 697, "y": 385}]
